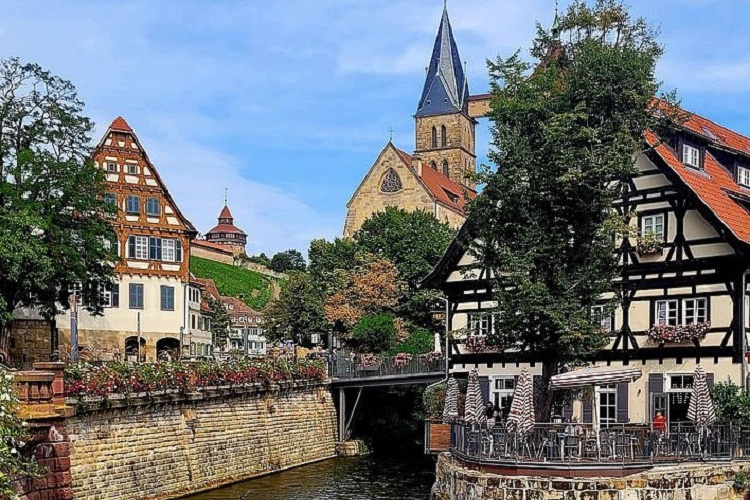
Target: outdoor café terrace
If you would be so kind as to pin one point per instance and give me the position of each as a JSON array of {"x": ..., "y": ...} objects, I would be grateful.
[{"x": 521, "y": 446}]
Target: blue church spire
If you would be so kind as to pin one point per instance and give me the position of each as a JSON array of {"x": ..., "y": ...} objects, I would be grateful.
[{"x": 446, "y": 89}]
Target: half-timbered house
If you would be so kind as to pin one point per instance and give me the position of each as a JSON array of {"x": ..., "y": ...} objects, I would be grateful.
[{"x": 683, "y": 280}]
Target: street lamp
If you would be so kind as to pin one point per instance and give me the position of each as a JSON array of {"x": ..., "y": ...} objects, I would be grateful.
[{"x": 447, "y": 340}]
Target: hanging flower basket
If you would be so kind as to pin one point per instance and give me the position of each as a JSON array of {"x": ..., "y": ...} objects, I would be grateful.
[
  {"x": 476, "y": 343},
  {"x": 678, "y": 334},
  {"x": 649, "y": 244}
]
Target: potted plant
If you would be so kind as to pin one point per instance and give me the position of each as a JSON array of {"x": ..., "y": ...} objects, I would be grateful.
[
  {"x": 679, "y": 333},
  {"x": 650, "y": 244}
]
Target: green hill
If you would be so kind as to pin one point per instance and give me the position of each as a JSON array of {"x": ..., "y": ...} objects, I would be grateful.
[{"x": 251, "y": 287}]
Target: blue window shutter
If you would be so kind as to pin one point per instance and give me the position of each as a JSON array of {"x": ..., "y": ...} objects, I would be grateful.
[
  {"x": 163, "y": 297},
  {"x": 131, "y": 296},
  {"x": 115, "y": 291},
  {"x": 622, "y": 403},
  {"x": 154, "y": 248},
  {"x": 655, "y": 383},
  {"x": 588, "y": 410},
  {"x": 131, "y": 246},
  {"x": 177, "y": 250}
]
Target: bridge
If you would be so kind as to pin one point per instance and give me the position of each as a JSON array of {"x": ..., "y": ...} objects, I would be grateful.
[{"x": 358, "y": 371}]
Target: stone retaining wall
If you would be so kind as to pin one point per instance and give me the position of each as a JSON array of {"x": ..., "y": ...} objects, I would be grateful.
[
  {"x": 167, "y": 447},
  {"x": 708, "y": 481}
]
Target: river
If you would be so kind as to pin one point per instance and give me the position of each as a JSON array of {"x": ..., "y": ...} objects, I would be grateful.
[{"x": 358, "y": 478}]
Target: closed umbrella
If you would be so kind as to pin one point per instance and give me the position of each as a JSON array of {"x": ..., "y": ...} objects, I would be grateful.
[
  {"x": 450, "y": 408},
  {"x": 474, "y": 412},
  {"x": 521, "y": 416},
  {"x": 701, "y": 409}
]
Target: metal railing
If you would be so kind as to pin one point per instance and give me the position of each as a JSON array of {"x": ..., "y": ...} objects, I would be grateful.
[
  {"x": 359, "y": 366},
  {"x": 616, "y": 443}
]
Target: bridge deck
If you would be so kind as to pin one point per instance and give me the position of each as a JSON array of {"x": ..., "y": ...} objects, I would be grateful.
[{"x": 371, "y": 371}]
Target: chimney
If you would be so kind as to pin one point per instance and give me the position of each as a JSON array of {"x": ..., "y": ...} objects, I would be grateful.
[{"x": 417, "y": 164}]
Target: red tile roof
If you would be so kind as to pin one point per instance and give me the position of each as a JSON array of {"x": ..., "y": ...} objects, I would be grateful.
[
  {"x": 225, "y": 213},
  {"x": 119, "y": 123},
  {"x": 715, "y": 182},
  {"x": 213, "y": 246},
  {"x": 226, "y": 228},
  {"x": 443, "y": 190}
]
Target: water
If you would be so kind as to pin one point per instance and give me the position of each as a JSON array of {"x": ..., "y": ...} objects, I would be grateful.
[{"x": 358, "y": 478}]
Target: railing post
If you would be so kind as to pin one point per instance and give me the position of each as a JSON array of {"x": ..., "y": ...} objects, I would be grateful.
[{"x": 58, "y": 383}]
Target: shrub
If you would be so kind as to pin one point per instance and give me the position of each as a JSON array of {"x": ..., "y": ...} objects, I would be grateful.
[
  {"x": 419, "y": 341},
  {"x": 374, "y": 333}
]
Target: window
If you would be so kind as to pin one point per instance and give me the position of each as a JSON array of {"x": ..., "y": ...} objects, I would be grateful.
[
  {"x": 479, "y": 323},
  {"x": 136, "y": 296},
  {"x": 168, "y": 250},
  {"x": 133, "y": 205},
  {"x": 666, "y": 313},
  {"x": 192, "y": 321},
  {"x": 132, "y": 168},
  {"x": 743, "y": 176},
  {"x": 77, "y": 289},
  {"x": 138, "y": 247},
  {"x": 691, "y": 156},
  {"x": 110, "y": 295},
  {"x": 601, "y": 315},
  {"x": 434, "y": 137},
  {"x": 154, "y": 248},
  {"x": 607, "y": 400},
  {"x": 152, "y": 206},
  {"x": 111, "y": 166},
  {"x": 694, "y": 311},
  {"x": 653, "y": 225},
  {"x": 443, "y": 136},
  {"x": 110, "y": 199},
  {"x": 433, "y": 165},
  {"x": 445, "y": 168},
  {"x": 167, "y": 298},
  {"x": 391, "y": 182},
  {"x": 501, "y": 393},
  {"x": 679, "y": 383}
]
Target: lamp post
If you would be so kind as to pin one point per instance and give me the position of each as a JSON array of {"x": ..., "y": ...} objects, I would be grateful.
[
  {"x": 447, "y": 340},
  {"x": 182, "y": 341},
  {"x": 74, "y": 327}
]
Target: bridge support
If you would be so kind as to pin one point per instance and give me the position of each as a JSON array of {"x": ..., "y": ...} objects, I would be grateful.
[{"x": 345, "y": 426}]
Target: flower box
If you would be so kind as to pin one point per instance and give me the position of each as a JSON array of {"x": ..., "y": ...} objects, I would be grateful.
[{"x": 661, "y": 334}]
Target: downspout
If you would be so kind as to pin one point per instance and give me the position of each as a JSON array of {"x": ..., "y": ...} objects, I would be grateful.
[{"x": 741, "y": 325}]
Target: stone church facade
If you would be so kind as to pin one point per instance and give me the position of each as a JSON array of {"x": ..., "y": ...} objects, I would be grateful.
[{"x": 438, "y": 177}]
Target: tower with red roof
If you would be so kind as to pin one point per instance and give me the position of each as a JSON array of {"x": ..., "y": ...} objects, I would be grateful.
[{"x": 225, "y": 232}]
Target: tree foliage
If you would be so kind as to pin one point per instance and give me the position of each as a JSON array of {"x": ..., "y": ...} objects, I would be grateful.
[
  {"x": 376, "y": 333},
  {"x": 221, "y": 323},
  {"x": 288, "y": 260},
  {"x": 565, "y": 129},
  {"x": 298, "y": 312},
  {"x": 54, "y": 230}
]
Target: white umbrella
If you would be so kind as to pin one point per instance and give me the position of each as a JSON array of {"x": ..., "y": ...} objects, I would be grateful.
[
  {"x": 701, "y": 409},
  {"x": 474, "y": 411},
  {"x": 450, "y": 408},
  {"x": 521, "y": 416}
]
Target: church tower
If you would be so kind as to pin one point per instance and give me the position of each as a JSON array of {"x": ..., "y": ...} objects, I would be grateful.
[{"x": 444, "y": 130}]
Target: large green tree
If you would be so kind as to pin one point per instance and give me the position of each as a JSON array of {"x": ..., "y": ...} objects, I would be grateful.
[
  {"x": 54, "y": 235},
  {"x": 298, "y": 311},
  {"x": 565, "y": 129},
  {"x": 288, "y": 260}
]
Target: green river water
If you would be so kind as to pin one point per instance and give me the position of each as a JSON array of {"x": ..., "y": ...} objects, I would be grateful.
[{"x": 359, "y": 478}]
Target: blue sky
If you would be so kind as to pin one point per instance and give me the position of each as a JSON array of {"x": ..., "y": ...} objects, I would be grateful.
[{"x": 288, "y": 103}]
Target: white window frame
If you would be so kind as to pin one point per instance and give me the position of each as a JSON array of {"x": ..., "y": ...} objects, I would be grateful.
[
  {"x": 671, "y": 312},
  {"x": 605, "y": 318},
  {"x": 694, "y": 310},
  {"x": 682, "y": 376},
  {"x": 168, "y": 253},
  {"x": 650, "y": 224},
  {"x": 110, "y": 167},
  {"x": 691, "y": 155},
  {"x": 480, "y": 323},
  {"x": 106, "y": 293},
  {"x": 129, "y": 166},
  {"x": 743, "y": 176},
  {"x": 500, "y": 389},
  {"x": 141, "y": 247},
  {"x": 610, "y": 391}
]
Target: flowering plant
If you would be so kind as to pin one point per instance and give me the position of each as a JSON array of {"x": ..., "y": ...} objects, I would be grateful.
[
  {"x": 650, "y": 244},
  {"x": 476, "y": 343},
  {"x": 369, "y": 360},
  {"x": 430, "y": 357},
  {"x": 12, "y": 431},
  {"x": 401, "y": 359},
  {"x": 682, "y": 333}
]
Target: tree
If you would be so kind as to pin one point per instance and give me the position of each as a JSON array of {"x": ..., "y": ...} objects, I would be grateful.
[
  {"x": 329, "y": 262},
  {"x": 298, "y": 312},
  {"x": 261, "y": 259},
  {"x": 288, "y": 260},
  {"x": 374, "y": 333},
  {"x": 221, "y": 323},
  {"x": 565, "y": 129},
  {"x": 55, "y": 235}
]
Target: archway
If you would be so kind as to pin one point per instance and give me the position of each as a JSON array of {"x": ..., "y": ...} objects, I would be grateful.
[
  {"x": 131, "y": 349},
  {"x": 167, "y": 349}
]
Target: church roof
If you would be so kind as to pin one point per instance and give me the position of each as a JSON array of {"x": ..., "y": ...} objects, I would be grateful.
[{"x": 446, "y": 89}]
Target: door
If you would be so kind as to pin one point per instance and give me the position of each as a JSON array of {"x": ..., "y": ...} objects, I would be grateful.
[{"x": 659, "y": 403}]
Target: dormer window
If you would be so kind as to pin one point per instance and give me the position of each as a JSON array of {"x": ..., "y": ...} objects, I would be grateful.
[
  {"x": 691, "y": 155},
  {"x": 743, "y": 176}
]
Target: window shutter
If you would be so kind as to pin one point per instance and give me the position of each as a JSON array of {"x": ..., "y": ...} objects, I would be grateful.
[
  {"x": 163, "y": 297},
  {"x": 710, "y": 380},
  {"x": 567, "y": 411},
  {"x": 115, "y": 293},
  {"x": 588, "y": 410},
  {"x": 622, "y": 403},
  {"x": 131, "y": 247},
  {"x": 131, "y": 296},
  {"x": 177, "y": 251},
  {"x": 154, "y": 248},
  {"x": 484, "y": 386},
  {"x": 655, "y": 383}
]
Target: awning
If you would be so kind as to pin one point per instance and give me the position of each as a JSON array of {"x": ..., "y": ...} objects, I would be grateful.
[{"x": 595, "y": 375}]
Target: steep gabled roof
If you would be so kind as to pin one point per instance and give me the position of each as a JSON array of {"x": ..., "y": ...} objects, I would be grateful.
[
  {"x": 446, "y": 89},
  {"x": 119, "y": 125}
]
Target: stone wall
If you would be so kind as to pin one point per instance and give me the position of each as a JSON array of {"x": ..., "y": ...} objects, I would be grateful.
[
  {"x": 679, "y": 482},
  {"x": 168, "y": 446},
  {"x": 31, "y": 341}
]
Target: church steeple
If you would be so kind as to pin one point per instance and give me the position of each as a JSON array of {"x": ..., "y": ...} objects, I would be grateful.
[{"x": 446, "y": 89}]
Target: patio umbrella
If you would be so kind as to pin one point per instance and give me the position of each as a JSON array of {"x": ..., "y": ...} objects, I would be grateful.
[
  {"x": 450, "y": 408},
  {"x": 474, "y": 412},
  {"x": 521, "y": 415},
  {"x": 701, "y": 409}
]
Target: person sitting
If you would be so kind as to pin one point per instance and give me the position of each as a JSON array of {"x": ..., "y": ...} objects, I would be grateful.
[{"x": 660, "y": 423}]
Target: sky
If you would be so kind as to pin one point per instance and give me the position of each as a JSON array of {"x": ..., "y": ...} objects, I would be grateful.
[{"x": 288, "y": 103}]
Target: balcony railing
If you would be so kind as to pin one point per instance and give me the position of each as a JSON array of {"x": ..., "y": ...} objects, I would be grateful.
[
  {"x": 616, "y": 443},
  {"x": 359, "y": 366}
]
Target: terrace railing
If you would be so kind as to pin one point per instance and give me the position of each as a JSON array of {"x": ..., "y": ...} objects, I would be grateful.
[
  {"x": 616, "y": 443},
  {"x": 349, "y": 366}
]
